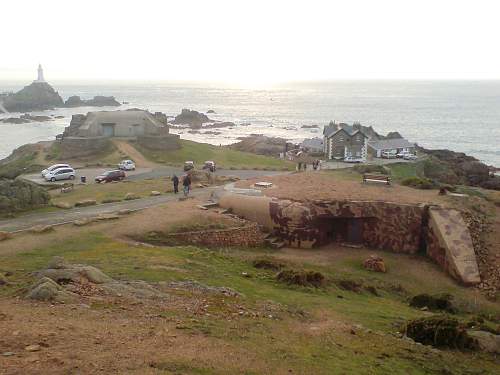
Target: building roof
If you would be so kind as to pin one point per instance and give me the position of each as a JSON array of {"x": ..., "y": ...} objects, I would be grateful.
[
  {"x": 331, "y": 129},
  {"x": 388, "y": 144},
  {"x": 120, "y": 117}
]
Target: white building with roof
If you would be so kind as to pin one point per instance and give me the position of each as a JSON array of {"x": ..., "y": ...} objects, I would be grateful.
[{"x": 392, "y": 146}]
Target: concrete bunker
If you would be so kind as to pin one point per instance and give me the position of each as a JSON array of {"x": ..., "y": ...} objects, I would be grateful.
[{"x": 439, "y": 233}]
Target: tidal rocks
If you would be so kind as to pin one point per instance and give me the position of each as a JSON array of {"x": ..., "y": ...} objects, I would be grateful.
[
  {"x": 375, "y": 263},
  {"x": 17, "y": 195},
  {"x": 192, "y": 118},
  {"x": 97, "y": 101},
  {"x": 15, "y": 120},
  {"x": 262, "y": 145},
  {"x": 210, "y": 111},
  {"x": 222, "y": 124},
  {"x": 38, "y": 96}
]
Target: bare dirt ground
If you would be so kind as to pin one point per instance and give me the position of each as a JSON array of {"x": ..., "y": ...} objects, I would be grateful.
[
  {"x": 136, "y": 156},
  {"x": 319, "y": 185}
]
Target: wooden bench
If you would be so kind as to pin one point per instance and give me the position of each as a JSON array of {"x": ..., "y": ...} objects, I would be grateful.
[
  {"x": 67, "y": 187},
  {"x": 377, "y": 178}
]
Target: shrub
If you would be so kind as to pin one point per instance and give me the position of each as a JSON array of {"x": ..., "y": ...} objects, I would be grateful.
[
  {"x": 301, "y": 277},
  {"x": 268, "y": 264},
  {"x": 439, "y": 331},
  {"x": 369, "y": 168},
  {"x": 441, "y": 302},
  {"x": 418, "y": 183}
]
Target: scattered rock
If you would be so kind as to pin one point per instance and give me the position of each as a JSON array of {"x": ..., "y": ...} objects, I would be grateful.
[
  {"x": 5, "y": 236},
  {"x": 63, "y": 205},
  {"x": 8, "y": 354},
  {"x": 41, "y": 229},
  {"x": 3, "y": 279},
  {"x": 440, "y": 302},
  {"x": 125, "y": 211},
  {"x": 103, "y": 217},
  {"x": 86, "y": 203},
  {"x": 195, "y": 286},
  {"x": 375, "y": 263},
  {"x": 155, "y": 193},
  {"x": 33, "y": 348},
  {"x": 83, "y": 222},
  {"x": 131, "y": 196},
  {"x": 47, "y": 289},
  {"x": 74, "y": 273},
  {"x": 486, "y": 341},
  {"x": 350, "y": 285}
]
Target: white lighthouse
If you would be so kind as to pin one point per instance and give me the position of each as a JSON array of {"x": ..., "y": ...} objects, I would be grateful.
[{"x": 40, "y": 74}]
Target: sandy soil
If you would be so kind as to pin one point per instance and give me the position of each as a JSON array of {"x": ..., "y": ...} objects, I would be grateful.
[{"x": 317, "y": 185}]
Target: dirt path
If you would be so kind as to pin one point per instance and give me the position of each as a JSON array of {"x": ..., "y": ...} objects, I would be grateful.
[
  {"x": 136, "y": 156},
  {"x": 78, "y": 213}
]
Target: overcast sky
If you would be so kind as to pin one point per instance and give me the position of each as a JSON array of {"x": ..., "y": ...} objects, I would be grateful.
[{"x": 251, "y": 40}]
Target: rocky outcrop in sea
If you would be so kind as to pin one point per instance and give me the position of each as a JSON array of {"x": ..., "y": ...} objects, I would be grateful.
[
  {"x": 97, "y": 101},
  {"x": 38, "y": 96}
]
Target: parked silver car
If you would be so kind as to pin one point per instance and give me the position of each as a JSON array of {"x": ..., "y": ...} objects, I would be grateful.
[
  {"x": 54, "y": 167},
  {"x": 61, "y": 174}
]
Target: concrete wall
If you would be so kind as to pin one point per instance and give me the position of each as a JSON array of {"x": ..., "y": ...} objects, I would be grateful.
[
  {"x": 449, "y": 244},
  {"x": 75, "y": 147},
  {"x": 401, "y": 228},
  {"x": 165, "y": 142}
]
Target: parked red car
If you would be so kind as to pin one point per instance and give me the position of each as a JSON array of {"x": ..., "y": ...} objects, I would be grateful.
[{"x": 109, "y": 176}]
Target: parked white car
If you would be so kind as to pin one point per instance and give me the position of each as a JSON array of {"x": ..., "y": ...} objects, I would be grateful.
[
  {"x": 61, "y": 174},
  {"x": 353, "y": 159},
  {"x": 388, "y": 155},
  {"x": 126, "y": 165},
  {"x": 410, "y": 157},
  {"x": 54, "y": 167}
]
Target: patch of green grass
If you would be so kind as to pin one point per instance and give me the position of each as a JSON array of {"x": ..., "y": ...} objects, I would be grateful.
[
  {"x": 223, "y": 156},
  {"x": 401, "y": 171},
  {"x": 286, "y": 340}
]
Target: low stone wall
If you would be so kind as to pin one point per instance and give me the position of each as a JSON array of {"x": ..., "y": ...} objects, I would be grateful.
[
  {"x": 166, "y": 142},
  {"x": 247, "y": 236},
  {"x": 76, "y": 147}
]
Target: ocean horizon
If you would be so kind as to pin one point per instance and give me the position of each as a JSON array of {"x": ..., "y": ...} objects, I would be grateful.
[{"x": 462, "y": 116}]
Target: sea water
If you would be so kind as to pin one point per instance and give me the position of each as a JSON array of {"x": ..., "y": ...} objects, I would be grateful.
[{"x": 457, "y": 115}]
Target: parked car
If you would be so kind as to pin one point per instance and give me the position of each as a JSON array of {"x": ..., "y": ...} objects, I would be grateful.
[
  {"x": 126, "y": 165},
  {"x": 401, "y": 155},
  {"x": 352, "y": 159},
  {"x": 388, "y": 155},
  {"x": 64, "y": 173},
  {"x": 54, "y": 167},
  {"x": 188, "y": 165},
  {"x": 108, "y": 176},
  {"x": 210, "y": 165},
  {"x": 410, "y": 157}
]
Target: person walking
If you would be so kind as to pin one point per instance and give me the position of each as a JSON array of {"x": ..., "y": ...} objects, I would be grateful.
[
  {"x": 186, "y": 183},
  {"x": 175, "y": 181}
]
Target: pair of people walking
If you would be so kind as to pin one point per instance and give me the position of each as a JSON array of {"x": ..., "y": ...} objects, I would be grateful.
[{"x": 186, "y": 184}]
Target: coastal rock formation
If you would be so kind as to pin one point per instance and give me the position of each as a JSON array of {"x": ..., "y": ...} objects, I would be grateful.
[
  {"x": 192, "y": 118},
  {"x": 20, "y": 195},
  {"x": 97, "y": 101},
  {"x": 37, "y": 96},
  {"x": 262, "y": 145},
  {"x": 26, "y": 118},
  {"x": 223, "y": 124}
]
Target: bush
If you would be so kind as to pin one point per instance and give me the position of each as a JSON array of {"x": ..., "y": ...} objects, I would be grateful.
[
  {"x": 439, "y": 331},
  {"x": 268, "y": 264},
  {"x": 418, "y": 183},
  {"x": 441, "y": 302},
  {"x": 301, "y": 277},
  {"x": 21, "y": 195},
  {"x": 369, "y": 168}
]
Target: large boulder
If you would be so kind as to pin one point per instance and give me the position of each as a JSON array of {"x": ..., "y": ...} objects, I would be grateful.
[
  {"x": 192, "y": 118},
  {"x": 60, "y": 271},
  {"x": 35, "y": 97},
  {"x": 441, "y": 302},
  {"x": 17, "y": 195},
  {"x": 46, "y": 289},
  {"x": 375, "y": 263},
  {"x": 486, "y": 341}
]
